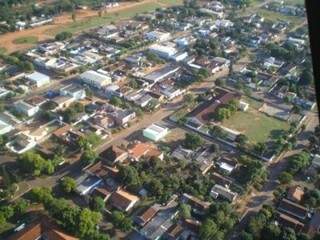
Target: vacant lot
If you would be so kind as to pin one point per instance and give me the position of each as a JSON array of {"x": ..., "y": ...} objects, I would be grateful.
[
  {"x": 255, "y": 125},
  {"x": 273, "y": 16},
  {"x": 85, "y": 19}
]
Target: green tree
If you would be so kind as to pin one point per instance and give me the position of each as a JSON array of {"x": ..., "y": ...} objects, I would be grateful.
[
  {"x": 128, "y": 175},
  {"x": 88, "y": 156},
  {"x": 97, "y": 204},
  {"x": 208, "y": 230},
  {"x": 192, "y": 141},
  {"x": 68, "y": 184},
  {"x": 21, "y": 206},
  {"x": 285, "y": 178},
  {"x": 88, "y": 222},
  {"x": 185, "y": 210},
  {"x": 63, "y": 36},
  {"x": 121, "y": 221}
]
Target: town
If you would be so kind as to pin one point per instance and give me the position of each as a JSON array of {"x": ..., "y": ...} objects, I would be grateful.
[{"x": 183, "y": 121}]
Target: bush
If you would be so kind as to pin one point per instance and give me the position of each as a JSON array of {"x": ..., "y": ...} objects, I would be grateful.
[{"x": 63, "y": 36}]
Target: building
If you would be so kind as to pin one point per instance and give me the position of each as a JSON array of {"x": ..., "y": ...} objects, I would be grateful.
[
  {"x": 95, "y": 79},
  {"x": 26, "y": 108},
  {"x": 161, "y": 74},
  {"x": 21, "y": 143},
  {"x": 293, "y": 209},
  {"x": 295, "y": 194},
  {"x": 196, "y": 203},
  {"x": 163, "y": 51},
  {"x": 5, "y": 127},
  {"x": 38, "y": 79},
  {"x": 123, "y": 200},
  {"x": 87, "y": 185},
  {"x": 41, "y": 228},
  {"x": 144, "y": 150},
  {"x": 146, "y": 216},
  {"x": 114, "y": 154},
  {"x": 155, "y": 132},
  {"x": 218, "y": 190},
  {"x": 158, "y": 36},
  {"x": 73, "y": 91}
]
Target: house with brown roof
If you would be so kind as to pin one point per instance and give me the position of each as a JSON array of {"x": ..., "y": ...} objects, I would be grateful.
[
  {"x": 144, "y": 150},
  {"x": 146, "y": 216},
  {"x": 197, "y": 204},
  {"x": 174, "y": 232},
  {"x": 123, "y": 200},
  {"x": 102, "y": 192},
  {"x": 205, "y": 112},
  {"x": 295, "y": 193},
  {"x": 42, "y": 228},
  {"x": 287, "y": 221},
  {"x": 114, "y": 154}
]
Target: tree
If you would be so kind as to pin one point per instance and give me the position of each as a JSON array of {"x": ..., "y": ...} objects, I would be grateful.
[
  {"x": 285, "y": 178},
  {"x": 21, "y": 206},
  {"x": 97, "y": 204},
  {"x": 128, "y": 175},
  {"x": 116, "y": 101},
  {"x": 192, "y": 141},
  {"x": 298, "y": 162},
  {"x": 288, "y": 234},
  {"x": 121, "y": 221},
  {"x": 208, "y": 230},
  {"x": 74, "y": 16},
  {"x": 88, "y": 222},
  {"x": 246, "y": 236},
  {"x": 271, "y": 232},
  {"x": 88, "y": 156},
  {"x": 41, "y": 195},
  {"x": 242, "y": 139},
  {"x": 68, "y": 184},
  {"x": 155, "y": 187},
  {"x": 63, "y": 36},
  {"x": 185, "y": 210}
]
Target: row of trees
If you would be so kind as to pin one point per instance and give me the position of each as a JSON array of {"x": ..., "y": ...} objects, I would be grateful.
[
  {"x": 16, "y": 209},
  {"x": 34, "y": 164}
]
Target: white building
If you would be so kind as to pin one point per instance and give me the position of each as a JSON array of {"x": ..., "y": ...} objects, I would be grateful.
[
  {"x": 73, "y": 91},
  {"x": 26, "y": 108},
  {"x": 155, "y": 132},
  {"x": 95, "y": 79},
  {"x": 5, "y": 127},
  {"x": 163, "y": 51},
  {"x": 243, "y": 106},
  {"x": 158, "y": 36},
  {"x": 38, "y": 79}
]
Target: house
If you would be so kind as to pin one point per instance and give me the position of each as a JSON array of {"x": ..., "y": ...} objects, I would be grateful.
[
  {"x": 146, "y": 216},
  {"x": 38, "y": 79},
  {"x": 183, "y": 154},
  {"x": 221, "y": 180},
  {"x": 313, "y": 227},
  {"x": 295, "y": 194},
  {"x": 218, "y": 190},
  {"x": 174, "y": 232},
  {"x": 227, "y": 165},
  {"x": 155, "y": 132},
  {"x": 161, "y": 74},
  {"x": 74, "y": 91},
  {"x": 95, "y": 79},
  {"x": 123, "y": 200},
  {"x": 26, "y": 108},
  {"x": 290, "y": 222},
  {"x": 316, "y": 161},
  {"x": 197, "y": 204},
  {"x": 5, "y": 127},
  {"x": 157, "y": 36},
  {"x": 114, "y": 154},
  {"x": 86, "y": 184},
  {"x": 21, "y": 143},
  {"x": 67, "y": 135},
  {"x": 293, "y": 209},
  {"x": 123, "y": 116},
  {"x": 271, "y": 62},
  {"x": 102, "y": 192},
  {"x": 63, "y": 101},
  {"x": 163, "y": 51},
  {"x": 144, "y": 150},
  {"x": 41, "y": 228}
]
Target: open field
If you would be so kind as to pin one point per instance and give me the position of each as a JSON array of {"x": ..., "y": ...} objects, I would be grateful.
[
  {"x": 273, "y": 16},
  {"x": 26, "y": 40},
  {"x": 85, "y": 19},
  {"x": 255, "y": 125}
]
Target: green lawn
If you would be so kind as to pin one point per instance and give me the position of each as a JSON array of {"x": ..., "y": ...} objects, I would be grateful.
[
  {"x": 252, "y": 102},
  {"x": 108, "y": 18},
  {"x": 26, "y": 40},
  {"x": 171, "y": 2},
  {"x": 255, "y": 125}
]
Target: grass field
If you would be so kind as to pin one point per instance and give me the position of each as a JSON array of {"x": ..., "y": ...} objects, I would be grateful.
[
  {"x": 108, "y": 18},
  {"x": 2, "y": 50},
  {"x": 255, "y": 125},
  {"x": 273, "y": 16},
  {"x": 26, "y": 40}
]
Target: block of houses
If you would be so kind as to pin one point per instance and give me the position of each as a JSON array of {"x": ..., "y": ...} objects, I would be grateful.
[
  {"x": 95, "y": 79},
  {"x": 155, "y": 132},
  {"x": 123, "y": 200},
  {"x": 38, "y": 79}
]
